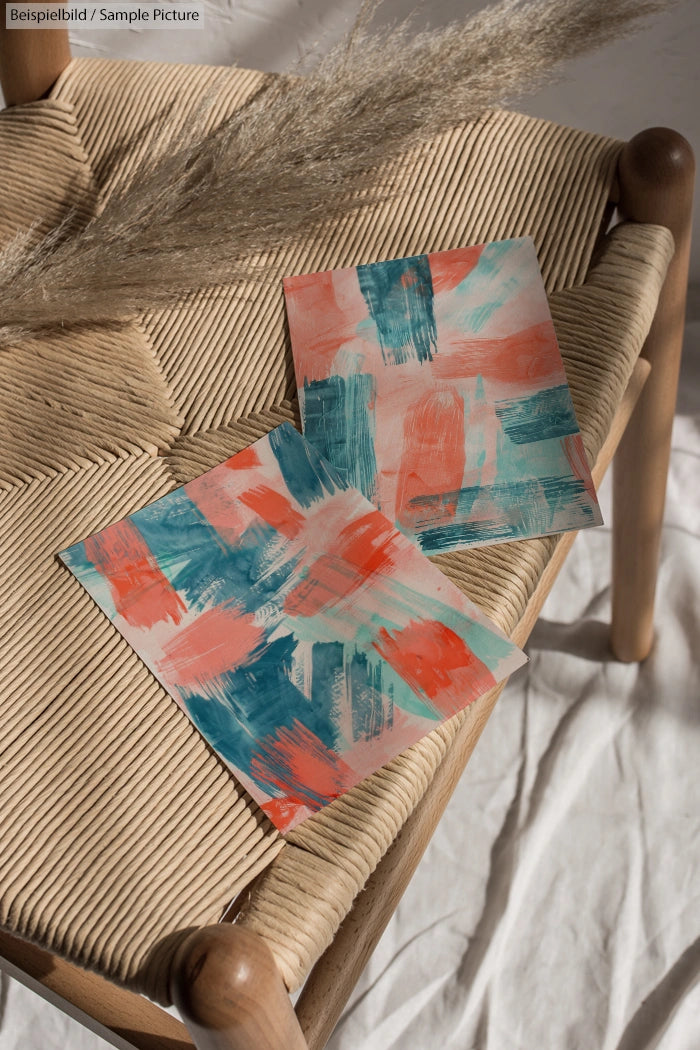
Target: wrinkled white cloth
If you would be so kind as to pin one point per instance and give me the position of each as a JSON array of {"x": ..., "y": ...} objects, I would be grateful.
[{"x": 558, "y": 905}]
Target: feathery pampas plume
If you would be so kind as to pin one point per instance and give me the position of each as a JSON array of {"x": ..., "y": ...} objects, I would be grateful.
[{"x": 198, "y": 214}]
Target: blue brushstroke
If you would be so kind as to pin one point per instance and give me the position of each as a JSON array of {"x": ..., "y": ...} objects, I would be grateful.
[
  {"x": 327, "y": 678},
  {"x": 251, "y": 702},
  {"x": 370, "y": 712},
  {"x": 308, "y": 477},
  {"x": 339, "y": 424},
  {"x": 546, "y": 414},
  {"x": 399, "y": 296},
  {"x": 202, "y": 566},
  {"x": 463, "y": 534},
  {"x": 97, "y": 585},
  {"x": 565, "y": 494}
]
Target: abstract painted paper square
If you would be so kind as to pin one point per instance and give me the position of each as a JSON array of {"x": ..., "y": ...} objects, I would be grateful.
[
  {"x": 307, "y": 639},
  {"x": 436, "y": 385}
]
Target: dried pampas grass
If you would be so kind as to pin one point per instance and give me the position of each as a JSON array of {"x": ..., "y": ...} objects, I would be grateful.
[{"x": 200, "y": 213}]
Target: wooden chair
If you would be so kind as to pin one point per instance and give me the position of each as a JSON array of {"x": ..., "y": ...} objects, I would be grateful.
[{"x": 123, "y": 839}]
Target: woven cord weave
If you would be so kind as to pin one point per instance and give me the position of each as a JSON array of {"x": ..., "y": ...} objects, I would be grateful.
[{"x": 119, "y": 829}]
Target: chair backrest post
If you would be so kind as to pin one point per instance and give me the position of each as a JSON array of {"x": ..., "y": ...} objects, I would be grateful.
[
  {"x": 656, "y": 174},
  {"x": 226, "y": 985},
  {"x": 31, "y": 60}
]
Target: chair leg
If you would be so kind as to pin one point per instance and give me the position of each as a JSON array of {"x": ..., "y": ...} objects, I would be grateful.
[
  {"x": 227, "y": 987},
  {"x": 656, "y": 186},
  {"x": 31, "y": 61}
]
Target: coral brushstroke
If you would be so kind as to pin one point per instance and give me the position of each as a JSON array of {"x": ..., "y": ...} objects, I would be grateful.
[
  {"x": 433, "y": 456},
  {"x": 449, "y": 269},
  {"x": 364, "y": 549},
  {"x": 246, "y": 458},
  {"x": 140, "y": 591},
  {"x": 436, "y": 384},
  {"x": 219, "y": 640},
  {"x": 528, "y": 359},
  {"x": 275, "y": 509},
  {"x": 432, "y": 659},
  {"x": 295, "y": 763},
  {"x": 306, "y": 638}
]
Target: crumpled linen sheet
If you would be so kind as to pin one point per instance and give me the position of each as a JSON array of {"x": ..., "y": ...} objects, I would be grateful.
[{"x": 558, "y": 905}]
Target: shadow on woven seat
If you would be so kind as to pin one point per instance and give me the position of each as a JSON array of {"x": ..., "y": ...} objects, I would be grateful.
[{"x": 124, "y": 831}]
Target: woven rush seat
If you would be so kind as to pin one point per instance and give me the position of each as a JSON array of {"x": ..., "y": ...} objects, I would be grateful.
[{"x": 121, "y": 829}]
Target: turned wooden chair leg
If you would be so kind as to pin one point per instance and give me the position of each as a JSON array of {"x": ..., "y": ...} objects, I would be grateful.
[
  {"x": 656, "y": 186},
  {"x": 230, "y": 994},
  {"x": 31, "y": 60}
]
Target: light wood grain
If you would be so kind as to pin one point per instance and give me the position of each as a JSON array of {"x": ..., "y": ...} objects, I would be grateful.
[
  {"x": 121, "y": 1017},
  {"x": 227, "y": 987},
  {"x": 31, "y": 60},
  {"x": 656, "y": 186}
]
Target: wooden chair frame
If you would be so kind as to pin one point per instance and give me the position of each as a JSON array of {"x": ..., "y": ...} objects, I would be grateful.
[{"x": 225, "y": 981}]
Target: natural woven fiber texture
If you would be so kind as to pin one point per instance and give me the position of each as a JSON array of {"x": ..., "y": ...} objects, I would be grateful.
[
  {"x": 29, "y": 135},
  {"x": 119, "y": 829}
]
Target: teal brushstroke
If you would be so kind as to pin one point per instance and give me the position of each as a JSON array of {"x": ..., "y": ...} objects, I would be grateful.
[
  {"x": 327, "y": 680},
  {"x": 463, "y": 534},
  {"x": 476, "y": 319},
  {"x": 75, "y": 559},
  {"x": 399, "y": 296},
  {"x": 564, "y": 494},
  {"x": 519, "y": 509},
  {"x": 539, "y": 417},
  {"x": 401, "y": 695},
  {"x": 494, "y": 255},
  {"x": 189, "y": 551},
  {"x": 339, "y": 423},
  {"x": 488, "y": 646},
  {"x": 242, "y": 707},
  {"x": 204, "y": 568},
  {"x": 539, "y": 459},
  {"x": 456, "y": 504},
  {"x": 407, "y": 605},
  {"x": 518, "y": 504},
  {"x": 371, "y": 713},
  {"x": 307, "y": 476}
]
